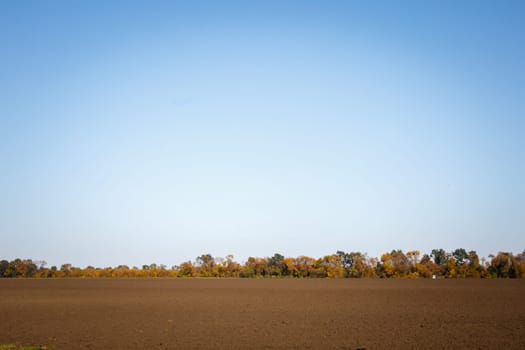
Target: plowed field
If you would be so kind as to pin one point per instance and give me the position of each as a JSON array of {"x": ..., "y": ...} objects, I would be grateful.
[{"x": 263, "y": 314}]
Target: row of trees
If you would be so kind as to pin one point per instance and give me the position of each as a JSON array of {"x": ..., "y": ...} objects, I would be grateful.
[{"x": 396, "y": 264}]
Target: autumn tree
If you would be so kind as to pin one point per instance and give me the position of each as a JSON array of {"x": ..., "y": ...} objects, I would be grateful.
[
  {"x": 475, "y": 269},
  {"x": 413, "y": 257},
  {"x": 413, "y": 260},
  {"x": 248, "y": 269},
  {"x": 506, "y": 265},
  {"x": 333, "y": 266},
  {"x": 395, "y": 264},
  {"x": 306, "y": 266},
  {"x": 186, "y": 269},
  {"x": 205, "y": 264},
  {"x": 230, "y": 266},
  {"x": 291, "y": 267},
  {"x": 425, "y": 267}
]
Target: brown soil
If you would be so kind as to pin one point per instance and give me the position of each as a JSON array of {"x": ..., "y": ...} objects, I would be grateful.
[{"x": 263, "y": 314}]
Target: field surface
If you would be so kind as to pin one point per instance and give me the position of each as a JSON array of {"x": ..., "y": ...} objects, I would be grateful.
[{"x": 263, "y": 314}]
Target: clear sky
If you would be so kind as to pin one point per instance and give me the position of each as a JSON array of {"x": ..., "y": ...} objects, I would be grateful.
[{"x": 140, "y": 132}]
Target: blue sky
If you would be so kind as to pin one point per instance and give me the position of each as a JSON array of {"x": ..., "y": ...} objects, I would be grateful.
[{"x": 140, "y": 132}]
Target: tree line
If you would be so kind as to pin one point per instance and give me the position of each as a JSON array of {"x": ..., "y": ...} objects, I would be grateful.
[{"x": 459, "y": 263}]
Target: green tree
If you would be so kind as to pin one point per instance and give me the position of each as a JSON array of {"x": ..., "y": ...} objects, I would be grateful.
[
  {"x": 354, "y": 263},
  {"x": 29, "y": 268},
  {"x": 460, "y": 255},
  {"x": 440, "y": 256},
  {"x": 277, "y": 265},
  {"x": 14, "y": 269},
  {"x": 4, "y": 267}
]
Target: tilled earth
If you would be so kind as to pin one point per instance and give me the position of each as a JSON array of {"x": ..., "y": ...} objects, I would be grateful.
[{"x": 263, "y": 313}]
